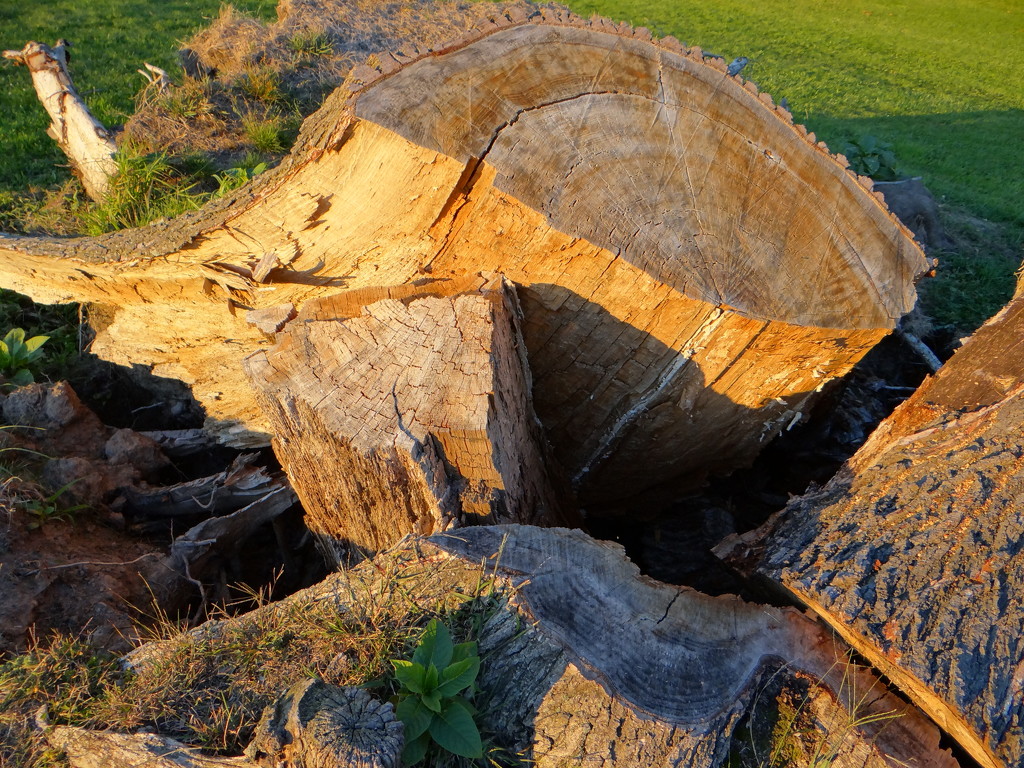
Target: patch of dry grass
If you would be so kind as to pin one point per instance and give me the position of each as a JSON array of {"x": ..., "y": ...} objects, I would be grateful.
[
  {"x": 208, "y": 686},
  {"x": 290, "y": 65}
]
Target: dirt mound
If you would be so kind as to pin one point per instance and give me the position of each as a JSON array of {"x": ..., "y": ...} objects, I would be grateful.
[{"x": 248, "y": 84}]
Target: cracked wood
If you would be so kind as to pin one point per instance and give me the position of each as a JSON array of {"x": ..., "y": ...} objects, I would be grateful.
[
  {"x": 409, "y": 415},
  {"x": 692, "y": 266}
]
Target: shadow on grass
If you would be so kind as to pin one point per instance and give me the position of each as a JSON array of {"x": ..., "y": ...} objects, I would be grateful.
[{"x": 967, "y": 159}]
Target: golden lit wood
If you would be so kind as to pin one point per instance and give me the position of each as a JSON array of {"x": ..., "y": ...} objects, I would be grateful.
[{"x": 692, "y": 266}]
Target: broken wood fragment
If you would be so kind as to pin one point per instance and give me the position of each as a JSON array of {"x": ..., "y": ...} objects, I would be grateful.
[
  {"x": 409, "y": 415},
  {"x": 86, "y": 142},
  {"x": 913, "y": 551},
  {"x": 237, "y": 486},
  {"x": 314, "y": 725}
]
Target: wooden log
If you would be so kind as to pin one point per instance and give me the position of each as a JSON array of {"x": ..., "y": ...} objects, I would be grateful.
[
  {"x": 913, "y": 552},
  {"x": 409, "y": 415},
  {"x": 237, "y": 486},
  {"x": 586, "y": 662},
  {"x": 102, "y": 749},
  {"x": 196, "y": 558},
  {"x": 652, "y": 674},
  {"x": 692, "y": 267},
  {"x": 86, "y": 142}
]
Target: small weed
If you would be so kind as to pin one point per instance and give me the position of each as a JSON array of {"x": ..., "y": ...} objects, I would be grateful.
[
  {"x": 870, "y": 157},
  {"x": 146, "y": 188},
  {"x": 46, "y": 509},
  {"x": 189, "y": 101},
  {"x": 61, "y": 323},
  {"x": 18, "y": 357},
  {"x": 16, "y": 208},
  {"x": 262, "y": 84},
  {"x": 265, "y": 133},
  {"x": 310, "y": 44},
  {"x": 785, "y": 728},
  {"x": 233, "y": 178},
  {"x": 429, "y": 701}
]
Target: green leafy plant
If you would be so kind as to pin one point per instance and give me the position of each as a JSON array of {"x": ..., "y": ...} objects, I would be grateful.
[
  {"x": 46, "y": 509},
  {"x": 870, "y": 157},
  {"x": 430, "y": 702},
  {"x": 18, "y": 355},
  {"x": 233, "y": 178}
]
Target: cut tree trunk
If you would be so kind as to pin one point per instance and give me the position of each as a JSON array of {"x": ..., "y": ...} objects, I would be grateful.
[
  {"x": 692, "y": 266},
  {"x": 87, "y": 144},
  {"x": 586, "y": 662},
  {"x": 410, "y": 414},
  {"x": 915, "y": 551}
]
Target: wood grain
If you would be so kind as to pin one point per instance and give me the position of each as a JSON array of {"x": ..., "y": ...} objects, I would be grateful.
[{"x": 409, "y": 416}]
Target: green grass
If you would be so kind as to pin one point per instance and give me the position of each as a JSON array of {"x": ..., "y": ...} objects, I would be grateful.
[
  {"x": 110, "y": 40},
  {"x": 939, "y": 79}
]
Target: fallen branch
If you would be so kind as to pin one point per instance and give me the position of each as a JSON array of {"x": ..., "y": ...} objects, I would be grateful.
[{"x": 86, "y": 142}]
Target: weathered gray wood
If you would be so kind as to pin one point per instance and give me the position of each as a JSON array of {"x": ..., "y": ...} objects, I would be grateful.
[
  {"x": 410, "y": 414},
  {"x": 587, "y": 662},
  {"x": 915, "y": 551},
  {"x": 315, "y": 725},
  {"x": 106, "y": 749},
  {"x": 620, "y": 670},
  {"x": 191, "y": 556},
  {"x": 237, "y": 486}
]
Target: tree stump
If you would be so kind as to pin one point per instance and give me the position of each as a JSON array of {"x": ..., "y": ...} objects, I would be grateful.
[
  {"x": 409, "y": 415},
  {"x": 586, "y": 662},
  {"x": 315, "y": 725},
  {"x": 914, "y": 551},
  {"x": 692, "y": 266}
]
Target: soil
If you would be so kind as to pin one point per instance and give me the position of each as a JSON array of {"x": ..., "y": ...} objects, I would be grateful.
[
  {"x": 71, "y": 563},
  {"x": 74, "y": 576}
]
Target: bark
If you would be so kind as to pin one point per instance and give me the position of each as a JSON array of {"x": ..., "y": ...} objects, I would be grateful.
[
  {"x": 914, "y": 551},
  {"x": 692, "y": 266},
  {"x": 88, "y": 145},
  {"x": 587, "y": 662},
  {"x": 409, "y": 415}
]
